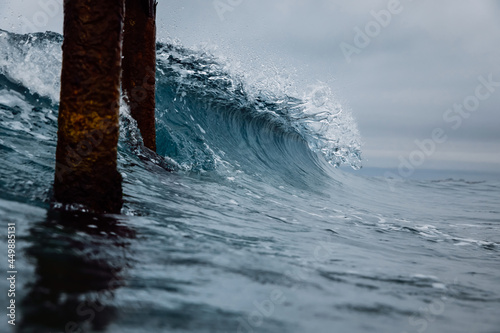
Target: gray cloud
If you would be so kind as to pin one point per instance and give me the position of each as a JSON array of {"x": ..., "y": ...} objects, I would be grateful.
[{"x": 399, "y": 86}]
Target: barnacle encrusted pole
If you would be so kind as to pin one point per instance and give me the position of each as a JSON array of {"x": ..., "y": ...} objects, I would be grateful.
[
  {"x": 139, "y": 66},
  {"x": 88, "y": 129}
]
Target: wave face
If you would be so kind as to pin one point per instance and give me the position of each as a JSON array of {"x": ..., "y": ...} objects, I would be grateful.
[
  {"x": 205, "y": 114},
  {"x": 255, "y": 231}
]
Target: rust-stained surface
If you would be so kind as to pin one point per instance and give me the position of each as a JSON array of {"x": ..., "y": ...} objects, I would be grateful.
[
  {"x": 88, "y": 130},
  {"x": 139, "y": 66}
]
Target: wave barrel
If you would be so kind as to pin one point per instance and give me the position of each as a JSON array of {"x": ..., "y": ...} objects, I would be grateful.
[
  {"x": 88, "y": 128},
  {"x": 139, "y": 66}
]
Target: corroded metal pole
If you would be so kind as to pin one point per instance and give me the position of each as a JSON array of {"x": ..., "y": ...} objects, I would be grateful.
[
  {"x": 139, "y": 66},
  {"x": 86, "y": 155}
]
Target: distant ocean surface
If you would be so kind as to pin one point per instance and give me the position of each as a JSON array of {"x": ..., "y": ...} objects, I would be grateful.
[{"x": 257, "y": 230}]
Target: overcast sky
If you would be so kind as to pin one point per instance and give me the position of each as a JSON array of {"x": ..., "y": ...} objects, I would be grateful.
[{"x": 399, "y": 75}]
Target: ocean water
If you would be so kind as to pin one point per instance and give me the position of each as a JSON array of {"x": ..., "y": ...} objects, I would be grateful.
[{"x": 256, "y": 230}]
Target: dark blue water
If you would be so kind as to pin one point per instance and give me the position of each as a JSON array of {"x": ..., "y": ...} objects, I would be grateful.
[{"x": 256, "y": 230}]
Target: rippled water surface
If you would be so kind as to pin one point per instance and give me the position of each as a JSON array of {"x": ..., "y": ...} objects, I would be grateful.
[{"x": 256, "y": 231}]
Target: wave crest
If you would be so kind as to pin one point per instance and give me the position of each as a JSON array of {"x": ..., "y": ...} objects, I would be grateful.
[
  {"x": 317, "y": 117},
  {"x": 208, "y": 116}
]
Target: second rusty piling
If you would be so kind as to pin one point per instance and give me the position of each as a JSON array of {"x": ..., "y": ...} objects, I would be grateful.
[{"x": 139, "y": 66}]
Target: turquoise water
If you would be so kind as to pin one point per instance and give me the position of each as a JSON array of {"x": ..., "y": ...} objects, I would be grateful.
[{"x": 256, "y": 230}]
